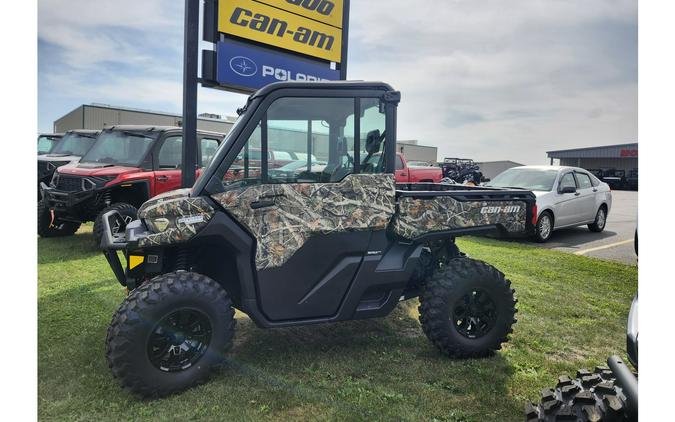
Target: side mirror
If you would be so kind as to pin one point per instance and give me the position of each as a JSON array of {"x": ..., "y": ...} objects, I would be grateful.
[{"x": 568, "y": 189}]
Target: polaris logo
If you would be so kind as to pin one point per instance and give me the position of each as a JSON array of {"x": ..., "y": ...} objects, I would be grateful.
[
  {"x": 287, "y": 75},
  {"x": 507, "y": 209}
]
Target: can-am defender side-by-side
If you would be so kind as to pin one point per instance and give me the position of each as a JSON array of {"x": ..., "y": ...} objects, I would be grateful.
[
  {"x": 47, "y": 142},
  {"x": 126, "y": 166},
  {"x": 69, "y": 149},
  {"x": 334, "y": 242}
]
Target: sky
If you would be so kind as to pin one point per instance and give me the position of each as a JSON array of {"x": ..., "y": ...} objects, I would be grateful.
[{"x": 481, "y": 79}]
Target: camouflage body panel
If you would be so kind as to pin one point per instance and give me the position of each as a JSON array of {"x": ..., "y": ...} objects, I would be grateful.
[
  {"x": 417, "y": 217},
  {"x": 358, "y": 202},
  {"x": 186, "y": 217}
]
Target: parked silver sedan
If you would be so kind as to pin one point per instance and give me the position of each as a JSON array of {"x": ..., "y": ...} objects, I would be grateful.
[{"x": 566, "y": 196}]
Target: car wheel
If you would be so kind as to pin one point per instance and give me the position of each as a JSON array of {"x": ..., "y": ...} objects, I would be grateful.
[
  {"x": 600, "y": 221},
  {"x": 544, "y": 227}
]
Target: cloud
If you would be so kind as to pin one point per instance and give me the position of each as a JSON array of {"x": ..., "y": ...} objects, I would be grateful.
[{"x": 484, "y": 79}]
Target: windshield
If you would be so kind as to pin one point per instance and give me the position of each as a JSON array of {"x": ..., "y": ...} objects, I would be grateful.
[
  {"x": 46, "y": 143},
  {"x": 120, "y": 148},
  {"x": 75, "y": 144},
  {"x": 532, "y": 179}
]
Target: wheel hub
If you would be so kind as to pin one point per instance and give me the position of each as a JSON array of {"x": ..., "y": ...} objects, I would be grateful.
[
  {"x": 179, "y": 340},
  {"x": 474, "y": 314}
]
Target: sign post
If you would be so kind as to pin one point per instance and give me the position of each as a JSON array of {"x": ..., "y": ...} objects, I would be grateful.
[{"x": 190, "y": 55}]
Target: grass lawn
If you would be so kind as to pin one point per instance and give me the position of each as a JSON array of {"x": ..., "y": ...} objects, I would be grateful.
[{"x": 572, "y": 314}]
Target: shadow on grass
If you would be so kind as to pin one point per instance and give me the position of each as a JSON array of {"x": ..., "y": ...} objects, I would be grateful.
[
  {"x": 379, "y": 369},
  {"x": 67, "y": 248}
]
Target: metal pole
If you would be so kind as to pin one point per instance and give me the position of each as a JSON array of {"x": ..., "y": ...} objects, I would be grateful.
[
  {"x": 190, "y": 57},
  {"x": 345, "y": 41}
]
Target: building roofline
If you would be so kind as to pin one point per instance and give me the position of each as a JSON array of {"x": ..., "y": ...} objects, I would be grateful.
[
  {"x": 227, "y": 119},
  {"x": 590, "y": 148}
]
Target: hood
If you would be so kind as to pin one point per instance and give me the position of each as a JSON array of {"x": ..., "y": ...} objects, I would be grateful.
[
  {"x": 93, "y": 169},
  {"x": 59, "y": 158},
  {"x": 164, "y": 197}
]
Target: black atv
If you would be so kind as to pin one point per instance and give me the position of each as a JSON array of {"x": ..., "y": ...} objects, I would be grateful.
[{"x": 328, "y": 243}]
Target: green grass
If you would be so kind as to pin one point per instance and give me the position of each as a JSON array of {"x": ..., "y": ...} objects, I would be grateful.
[{"x": 572, "y": 314}]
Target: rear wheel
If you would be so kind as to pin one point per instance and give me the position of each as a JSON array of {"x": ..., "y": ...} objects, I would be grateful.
[
  {"x": 169, "y": 334},
  {"x": 600, "y": 221},
  {"x": 46, "y": 229},
  {"x": 544, "y": 227},
  {"x": 592, "y": 396},
  {"x": 467, "y": 309},
  {"x": 128, "y": 212}
]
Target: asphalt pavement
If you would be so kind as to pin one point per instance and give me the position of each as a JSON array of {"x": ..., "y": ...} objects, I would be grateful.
[{"x": 615, "y": 243}]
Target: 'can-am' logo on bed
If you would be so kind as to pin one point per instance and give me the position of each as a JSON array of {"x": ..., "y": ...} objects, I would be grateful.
[{"x": 507, "y": 209}]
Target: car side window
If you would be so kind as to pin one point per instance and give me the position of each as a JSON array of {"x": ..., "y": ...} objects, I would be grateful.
[
  {"x": 209, "y": 146},
  {"x": 584, "y": 181},
  {"x": 171, "y": 153},
  {"x": 567, "y": 181},
  {"x": 399, "y": 163}
]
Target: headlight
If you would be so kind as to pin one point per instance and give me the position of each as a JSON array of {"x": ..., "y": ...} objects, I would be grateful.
[{"x": 158, "y": 224}]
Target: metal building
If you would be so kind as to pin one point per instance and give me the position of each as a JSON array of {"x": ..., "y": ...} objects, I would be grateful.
[
  {"x": 619, "y": 157},
  {"x": 490, "y": 169},
  {"x": 412, "y": 151},
  {"x": 99, "y": 116}
]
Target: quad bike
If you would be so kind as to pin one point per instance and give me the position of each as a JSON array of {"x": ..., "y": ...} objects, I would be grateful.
[{"x": 332, "y": 243}]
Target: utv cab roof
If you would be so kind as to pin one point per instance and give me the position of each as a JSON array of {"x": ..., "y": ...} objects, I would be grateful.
[
  {"x": 358, "y": 85},
  {"x": 155, "y": 128}
]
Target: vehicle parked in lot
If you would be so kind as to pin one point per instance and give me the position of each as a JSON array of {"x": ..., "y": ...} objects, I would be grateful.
[
  {"x": 292, "y": 171},
  {"x": 125, "y": 167},
  {"x": 566, "y": 196},
  {"x": 47, "y": 142},
  {"x": 463, "y": 171},
  {"x": 616, "y": 179},
  {"x": 343, "y": 243},
  {"x": 608, "y": 394},
  {"x": 632, "y": 179},
  {"x": 420, "y": 164},
  {"x": 72, "y": 146}
]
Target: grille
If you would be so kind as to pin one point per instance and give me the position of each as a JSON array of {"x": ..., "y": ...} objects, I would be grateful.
[
  {"x": 42, "y": 167},
  {"x": 69, "y": 183}
]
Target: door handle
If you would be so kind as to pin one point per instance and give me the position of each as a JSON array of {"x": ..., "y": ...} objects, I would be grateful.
[
  {"x": 162, "y": 178},
  {"x": 261, "y": 204},
  {"x": 595, "y": 189},
  {"x": 577, "y": 193}
]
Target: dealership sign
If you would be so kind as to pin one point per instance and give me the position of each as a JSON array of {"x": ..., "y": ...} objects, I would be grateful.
[
  {"x": 629, "y": 152},
  {"x": 263, "y": 41},
  {"x": 244, "y": 66}
]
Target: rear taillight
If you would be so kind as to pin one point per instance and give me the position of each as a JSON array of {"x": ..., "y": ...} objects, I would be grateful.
[{"x": 534, "y": 214}]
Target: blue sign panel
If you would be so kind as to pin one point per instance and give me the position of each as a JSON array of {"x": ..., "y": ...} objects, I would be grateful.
[{"x": 249, "y": 68}]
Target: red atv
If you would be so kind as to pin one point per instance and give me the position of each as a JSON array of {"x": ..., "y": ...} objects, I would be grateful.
[{"x": 126, "y": 166}]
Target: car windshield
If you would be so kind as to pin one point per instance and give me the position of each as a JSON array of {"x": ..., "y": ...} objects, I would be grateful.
[
  {"x": 75, "y": 144},
  {"x": 46, "y": 143},
  {"x": 532, "y": 179},
  {"x": 120, "y": 148}
]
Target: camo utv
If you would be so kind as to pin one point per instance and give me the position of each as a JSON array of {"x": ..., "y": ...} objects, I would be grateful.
[{"x": 336, "y": 242}]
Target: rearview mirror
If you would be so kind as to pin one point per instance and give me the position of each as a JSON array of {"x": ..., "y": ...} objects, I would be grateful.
[{"x": 568, "y": 189}]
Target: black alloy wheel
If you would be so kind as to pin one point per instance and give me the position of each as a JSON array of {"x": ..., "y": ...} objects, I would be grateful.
[
  {"x": 474, "y": 314},
  {"x": 179, "y": 340}
]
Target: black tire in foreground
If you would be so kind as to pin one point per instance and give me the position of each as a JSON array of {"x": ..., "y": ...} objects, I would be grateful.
[
  {"x": 544, "y": 227},
  {"x": 600, "y": 220},
  {"x": 467, "y": 309},
  {"x": 128, "y": 212},
  {"x": 170, "y": 334},
  {"x": 592, "y": 396},
  {"x": 45, "y": 229}
]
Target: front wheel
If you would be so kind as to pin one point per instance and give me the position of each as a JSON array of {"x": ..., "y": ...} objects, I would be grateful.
[
  {"x": 47, "y": 229},
  {"x": 467, "y": 309},
  {"x": 169, "y": 334},
  {"x": 544, "y": 227},
  {"x": 600, "y": 220}
]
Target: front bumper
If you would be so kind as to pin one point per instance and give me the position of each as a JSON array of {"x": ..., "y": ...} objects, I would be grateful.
[
  {"x": 121, "y": 237},
  {"x": 77, "y": 206}
]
